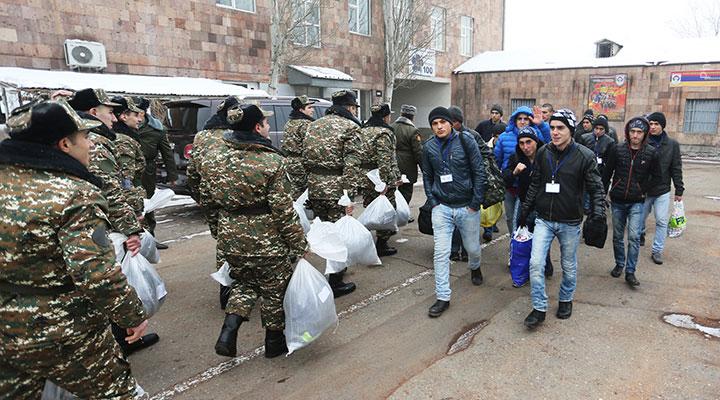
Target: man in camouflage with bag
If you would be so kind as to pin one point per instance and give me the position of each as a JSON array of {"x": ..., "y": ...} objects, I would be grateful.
[
  {"x": 129, "y": 153},
  {"x": 302, "y": 115},
  {"x": 331, "y": 156},
  {"x": 379, "y": 140},
  {"x": 60, "y": 283},
  {"x": 258, "y": 230}
]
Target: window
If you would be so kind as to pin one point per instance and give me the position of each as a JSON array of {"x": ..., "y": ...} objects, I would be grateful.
[
  {"x": 307, "y": 31},
  {"x": 437, "y": 21},
  {"x": 701, "y": 116},
  {"x": 359, "y": 11},
  {"x": 466, "y": 36},
  {"x": 515, "y": 103},
  {"x": 242, "y": 5}
]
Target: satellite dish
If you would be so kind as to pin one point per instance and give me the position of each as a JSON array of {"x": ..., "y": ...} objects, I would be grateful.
[{"x": 82, "y": 54}]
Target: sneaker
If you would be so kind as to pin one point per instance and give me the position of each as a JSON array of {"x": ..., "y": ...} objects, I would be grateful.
[
  {"x": 476, "y": 277},
  {"x": 564, "y": 310},
  {"x": 657, "y": 258},
  {"x": 631, "y": 280},
  {"x": 616, "y": 271},
  {"x": 487, "y": 236},
  {"x": 534, "y": 319},
  {"x": 438, "y": 308}
]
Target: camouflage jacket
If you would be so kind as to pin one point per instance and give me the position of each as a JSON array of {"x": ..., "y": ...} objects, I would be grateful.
[
  {"x": 292, "y": 145},
  {"x": 331, "y": 157},
  {"x": 52, "y": 234},
  {"x": 208, "y": 145},
  {"x": 103, "y": 164},
  {"x": 248, "y": 173},
  {"x": 379, "y": 143},
  {"x": 132, "y": 164}
]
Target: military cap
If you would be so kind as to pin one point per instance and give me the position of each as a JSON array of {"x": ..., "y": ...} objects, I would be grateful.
[
  {"x": 228, "y": 103},
  {"x": 90, "y": 98},
  {"x": 141, "y": 102},
  {"x": 246, "y": 117},
  {"x": 381, "y": 110},
  {"x": 125, "y": 104},
  {"x": 46, "y": 122},
  {"x": 408, "y": 109},
  {"x": 344, "y": 98},
  {"x": 300, "y": 102}
]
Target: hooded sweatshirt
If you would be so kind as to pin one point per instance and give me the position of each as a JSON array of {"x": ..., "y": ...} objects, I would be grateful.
[{"x": 507, "y": 142}]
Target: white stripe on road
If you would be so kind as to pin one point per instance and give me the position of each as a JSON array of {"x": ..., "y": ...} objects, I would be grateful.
[
  {"x": 188, "y": 237},
  {"x": 226, "y": 366}
]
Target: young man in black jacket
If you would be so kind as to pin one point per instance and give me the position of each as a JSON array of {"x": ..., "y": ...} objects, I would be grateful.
[
  {"x": 658, "y": 195},
  {"x": 564, "y": 171},
  {"x": 630, "y": 165}
]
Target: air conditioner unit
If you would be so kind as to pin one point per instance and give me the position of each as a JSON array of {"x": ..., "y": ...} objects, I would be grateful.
[{"x": 84, "y": 54}]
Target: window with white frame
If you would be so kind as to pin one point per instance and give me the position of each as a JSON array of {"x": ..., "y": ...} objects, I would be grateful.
[
  {"x": 359, "y": 16},
  {"x": 701, "y": 115},
  {"x": 466, "y": 36},
  {"x": 243, "y": 5},
  {"x": 437, "y": 21},
  {"x": 307, "y": 30}
]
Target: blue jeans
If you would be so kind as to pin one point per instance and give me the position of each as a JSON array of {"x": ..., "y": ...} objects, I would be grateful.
[
  {"x": 630, "y": 214},
  {"x": 445, "y": 219},
  {"x": 569, "y": 237},
  {"x": 457, "y": 242},
  {"x": 510, "y": 201},
  {"x": 662, "y": 216}
]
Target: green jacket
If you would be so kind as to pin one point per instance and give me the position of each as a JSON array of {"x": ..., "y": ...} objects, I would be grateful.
[
  {"x": 408, "y": 147},
  {"x": 153, "y": 139}
]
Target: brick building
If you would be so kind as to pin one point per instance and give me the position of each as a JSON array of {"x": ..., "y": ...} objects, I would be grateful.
[
  {"x": 679, "y": 79},
  {"x": 229, "y": 40}
]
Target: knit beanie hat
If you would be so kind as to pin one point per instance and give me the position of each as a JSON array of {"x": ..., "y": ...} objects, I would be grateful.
[
  {"x": 528, "y": 132},
  {"x": 498, "y": 108},
  {"x": 601, "y": 122},
  {"x": 456, "y": 113},
  {"x": 440, "y": 112},
  {"x": 637, "y": 122},
  {"x": 566, "y": 116},
  {"x": 658, "y": 117}
]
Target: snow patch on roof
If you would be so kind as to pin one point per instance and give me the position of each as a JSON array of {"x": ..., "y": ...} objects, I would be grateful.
[
  {"x": 24, "y": 78},
  {"x": 322, "y": 72},
  {"x": 685, "y": 51}
]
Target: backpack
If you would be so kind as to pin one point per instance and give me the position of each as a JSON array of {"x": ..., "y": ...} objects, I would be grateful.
[{"x": 495, "y": 187}]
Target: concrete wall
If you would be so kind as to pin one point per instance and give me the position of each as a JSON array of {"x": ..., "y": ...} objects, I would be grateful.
[{"x": 649, "y": 90}]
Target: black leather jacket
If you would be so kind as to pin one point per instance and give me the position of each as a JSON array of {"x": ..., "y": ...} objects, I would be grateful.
[{"x": 630, "y": 171}]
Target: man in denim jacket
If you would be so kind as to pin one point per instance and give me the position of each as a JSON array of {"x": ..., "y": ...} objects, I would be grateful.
[{"x": 454, "y": 182}]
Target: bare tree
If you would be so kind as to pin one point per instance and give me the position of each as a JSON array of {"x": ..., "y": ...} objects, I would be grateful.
[
  {"x": 407, "y": 37},
  {"x": 703, "y": 20}
]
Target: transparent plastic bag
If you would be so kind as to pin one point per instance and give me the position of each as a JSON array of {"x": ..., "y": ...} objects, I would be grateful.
[
  {"x": 379, "y": 215},
  {"x": 148, "y": 248},
  {"x": 309, "y": 306},
  {"x": 374, "y": 176},
  {"x": 222, "y": 275},
  {"x": 359, "y": 243},
  {"x": 677, "y": 222},
  {"x": 324, "y": 240},
  {"x": 403, "y": 209},
  {"x": 159, "y": 199},
  {"x": 148, "y": 285}
]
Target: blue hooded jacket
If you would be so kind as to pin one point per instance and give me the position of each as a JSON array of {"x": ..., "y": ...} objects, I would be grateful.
[{"x": 507, "y": 141}]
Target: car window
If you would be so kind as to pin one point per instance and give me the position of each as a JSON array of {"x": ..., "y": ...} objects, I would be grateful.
[
  {"x": 187, "y": 117},
  {"x": 282, "y": 114},
  {"x": 320, "y": 111},
  {"x": 271, "y": 119}
]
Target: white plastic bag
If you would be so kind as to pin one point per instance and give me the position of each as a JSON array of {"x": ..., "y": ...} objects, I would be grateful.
[
  {"x": 379, "y": 215},
  {"x": 309, "y": 306},
  {"x": 159, "y": 199},
  {"x": 222, "y": 275},
  {"x": 300, "y": 211},
  {"x": 374, "y": 176},
  {"x": 118, "y": 240},
  {"x": 148, "y": 285},
  {"x": 51, "y": 391},
  {"x": 522, "y": 234},
  {"x": 148, "y": 248},
  {"x": 299, "y": 206},
  {"x": 359, "y": 243},
  {"x": 403, "y": 209},
  {"x": 324, "y": 240}
]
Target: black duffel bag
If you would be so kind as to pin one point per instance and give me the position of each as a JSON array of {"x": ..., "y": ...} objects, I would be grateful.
[
  {"x": 425, "y": 219},
  {"x": 595, "y": 232}
]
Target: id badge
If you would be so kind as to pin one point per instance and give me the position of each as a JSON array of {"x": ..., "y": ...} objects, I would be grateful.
[
  {"x": 599, "y": 160},
  {"x": 446, "y": 178},
  {"x": 552, "y": 187}
]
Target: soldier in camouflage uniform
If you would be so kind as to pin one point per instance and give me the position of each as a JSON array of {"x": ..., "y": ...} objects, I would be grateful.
[
  {"x": 209, "y": 145},
  {"x": 408, "y": 148},
  {"x": 59, "y": 281},
  {"x": 379, "y": 140},
  {"x": 302, "y": 115},
  {"x": 258, "y": 230},
  {"x": 129, "y": 153},
  {"x": 331, "y": 157},
  {"x": 94, "y": 104}
]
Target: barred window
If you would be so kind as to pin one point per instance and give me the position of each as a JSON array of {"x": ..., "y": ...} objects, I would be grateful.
[
  {"x": 516, "y": 103},
  {"x": 701, "y": 115}
]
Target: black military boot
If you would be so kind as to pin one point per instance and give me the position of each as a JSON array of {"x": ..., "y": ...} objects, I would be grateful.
[
  {"x": 339, "y": 287},
  {"x": 224, "y": 296},
  {"x": 275, "y": 344},
  {"x": 226, "y": 344},
  {"x": 383, "y": 249}
]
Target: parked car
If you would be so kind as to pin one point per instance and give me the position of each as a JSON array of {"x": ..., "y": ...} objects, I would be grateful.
[{"x": 186, "y": 117}]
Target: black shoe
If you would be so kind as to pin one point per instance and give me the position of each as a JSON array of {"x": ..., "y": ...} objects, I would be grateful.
[
  {"x": 161, "y": 246},
  {"x": 411, "y": 220},
  {"x": 616, "y": 271},
  {"x": 564, "y": 310},
  {"x": 224, "y": 296},
  {"x": 487, "y": 236},
  {"x": 275, "y": 344},
  {"x": 495, "y": 229},
  {"x": 549, "y": 269},
  {"x": 534, "y": 319},
  {"x": 339, "y": 287},
  {"x": 642, "y": 239},
  {"x": 383, "y": 249},
  {"x": 226, "y": 344},
  {"x": 657, "y": 258},
  {"x": 455, "y": 256},
  {"x": 476, "y": 277},
  {"x": 463, "y": 255},
  {"x": 144, "y": 342},
  {"x": 438, "y": 308},
  {"x": 632, "y": 280}
]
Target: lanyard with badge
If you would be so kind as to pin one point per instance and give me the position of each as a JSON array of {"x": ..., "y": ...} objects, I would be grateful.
[
  {"x": 597, "y": 154},
  {"x": 553, "y": 187},
  {"x": 446, "y": 153}
]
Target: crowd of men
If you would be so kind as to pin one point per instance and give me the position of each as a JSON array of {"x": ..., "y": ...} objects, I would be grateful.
[{"x": 79, "y": 165}]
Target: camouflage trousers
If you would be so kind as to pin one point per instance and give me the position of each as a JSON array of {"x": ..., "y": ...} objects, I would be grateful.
[
  {"x": 369, "y": 196},
  {"x": 261, "y": 277},
  {"x": 90, "y": 366},
  {"x": 327, "y": 210}
]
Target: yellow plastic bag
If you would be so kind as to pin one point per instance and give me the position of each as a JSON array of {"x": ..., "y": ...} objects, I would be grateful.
[{"x": 491, "y": 215}]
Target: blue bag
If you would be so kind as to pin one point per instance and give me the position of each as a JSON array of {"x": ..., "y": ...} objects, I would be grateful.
[{"x": 520, "y": 249}]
